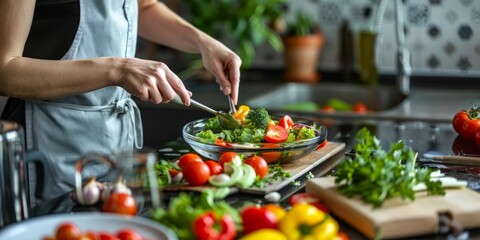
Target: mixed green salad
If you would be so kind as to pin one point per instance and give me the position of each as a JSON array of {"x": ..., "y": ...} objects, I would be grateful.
[{"x": 257, "y": 126}]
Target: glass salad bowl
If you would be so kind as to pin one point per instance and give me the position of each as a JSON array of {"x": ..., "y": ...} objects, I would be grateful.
[{"x": 272, "y": 152}]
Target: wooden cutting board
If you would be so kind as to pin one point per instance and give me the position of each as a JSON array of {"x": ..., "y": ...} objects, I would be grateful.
[
  {"x": 397, "y": 218},
  {"x": 296, "y": 168}
]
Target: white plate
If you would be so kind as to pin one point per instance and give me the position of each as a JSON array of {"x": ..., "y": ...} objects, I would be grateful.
[{"x": 38, "y": 227}]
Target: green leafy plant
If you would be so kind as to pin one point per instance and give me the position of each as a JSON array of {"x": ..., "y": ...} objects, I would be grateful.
[
  {"x": 302, "y": 25},
  {"x": 247, "y": 22},
  {"x": 375, "y": 175}
]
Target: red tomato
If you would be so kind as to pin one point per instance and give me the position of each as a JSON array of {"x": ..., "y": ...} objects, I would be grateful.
[
  {"x": 308, "y": 198},
  {"x": 173, "y": 172},
  {"x": 477, "y": 138},
  {"x": 359, "y": 108},
  {"x": 470, "y": 128},
  {"x": 271, "y": 157},
  {"x": 215, "y": 167},
  {"x": 121, "y": 203},
  {"x": 286, "y": 122},
  {"x": 276, "y": 134},
  {"x": 458, "y": 120},
  {"x": 259, "y": 164},
  {"x": 67, "y": 231},
  {"x": 323, "y": 144},
  {"x": 107, "y": 236},
  {"x": 227, "y": 157},
  {"x": 186, "y": 159},
  {"x": 328, "y": 109},
  {"x": 90, "y": 235},
  {"x": 196, "y": 173},
  {"x": 255, "y": 218},
  {"x": 128, "y": 234}
]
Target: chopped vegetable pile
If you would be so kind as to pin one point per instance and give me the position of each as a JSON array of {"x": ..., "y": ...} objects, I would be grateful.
[
  {"x": 257, "y": 126},
  {"x": 376, "y": 175}
]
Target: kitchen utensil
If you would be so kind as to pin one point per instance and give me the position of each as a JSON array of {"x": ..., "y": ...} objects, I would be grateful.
[
  {"x": 43, "y": 226},
  {"x": 232, "y": 106},
  {"x": 439, "y": 157},
  {"x": 226, "y": 120},
  {"x": 14, "y": 188},
  {"x": 282, "y": 152}
]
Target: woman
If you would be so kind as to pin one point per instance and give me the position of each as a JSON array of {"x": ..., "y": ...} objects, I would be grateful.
[{"x": 68, "y": 67}]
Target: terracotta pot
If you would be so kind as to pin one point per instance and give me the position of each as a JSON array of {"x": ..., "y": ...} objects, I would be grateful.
[{"x": 301, "y": 57}]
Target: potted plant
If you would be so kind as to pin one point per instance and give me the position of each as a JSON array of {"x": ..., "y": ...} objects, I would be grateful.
[
  {"x": 303, "y": 42},
  {"x": 246, "y": 24}
]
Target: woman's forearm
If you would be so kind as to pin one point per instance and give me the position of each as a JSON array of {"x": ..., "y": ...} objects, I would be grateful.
[{"x": 29, "y": 78}]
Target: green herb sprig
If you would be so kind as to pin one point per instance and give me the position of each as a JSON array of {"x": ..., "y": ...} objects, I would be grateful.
[
  {"x": 375, "y": 175},
  {"x": 275, "y": 172}
]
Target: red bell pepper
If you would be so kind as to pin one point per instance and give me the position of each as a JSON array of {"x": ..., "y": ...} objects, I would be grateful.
[
  {"x": 204, "y": 227},
  {"x": 255, "y": 218}
]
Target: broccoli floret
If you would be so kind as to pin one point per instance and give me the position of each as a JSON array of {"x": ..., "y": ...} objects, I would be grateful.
[
  {"x": 213, "y": 124},
  {"x": 258, "y": 118}
]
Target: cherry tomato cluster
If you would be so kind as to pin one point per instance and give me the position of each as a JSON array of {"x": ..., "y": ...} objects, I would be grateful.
[
  {"x": 467, "y": 124},
  {"x": 196, "y": 171},
  {"x": 70, "y": 231}
]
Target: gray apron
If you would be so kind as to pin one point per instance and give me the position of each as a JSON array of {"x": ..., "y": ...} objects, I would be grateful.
[{"x": 102, "y": 121}]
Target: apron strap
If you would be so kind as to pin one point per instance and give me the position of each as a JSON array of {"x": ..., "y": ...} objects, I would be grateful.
[{"x": 128, "y": 105}]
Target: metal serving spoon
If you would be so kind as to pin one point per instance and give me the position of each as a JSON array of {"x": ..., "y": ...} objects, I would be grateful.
[{"x": 226, "y": 120}]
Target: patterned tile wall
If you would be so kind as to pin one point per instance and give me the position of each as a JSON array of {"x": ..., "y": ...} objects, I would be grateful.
[{"x": 442, "y": 35}]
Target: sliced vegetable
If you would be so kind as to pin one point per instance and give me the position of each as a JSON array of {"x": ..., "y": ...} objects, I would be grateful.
[
  {"x": 204, "y": 227},
  {"x": 248, "y": 177},
  {"x": 232, "y": 174},
  {"x": 286, "y": 122},
  {"x": 276, "y": 134},
  {"x": 241, "y": 113}
]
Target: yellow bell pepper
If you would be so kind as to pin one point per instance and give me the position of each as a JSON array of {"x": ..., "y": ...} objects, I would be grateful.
[
  {"x": 306, "y": 222},
  {"x": 265, "y": 234},
  {"x": 241, "y": 113}
]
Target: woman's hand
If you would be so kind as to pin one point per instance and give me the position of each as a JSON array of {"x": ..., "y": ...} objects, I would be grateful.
[
  {"x": 223, "y": 64},
  {"x": 151, "y": 81}
]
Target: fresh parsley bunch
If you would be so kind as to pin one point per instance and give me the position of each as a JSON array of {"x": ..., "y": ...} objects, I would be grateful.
[{"x": 375, "y": 175}]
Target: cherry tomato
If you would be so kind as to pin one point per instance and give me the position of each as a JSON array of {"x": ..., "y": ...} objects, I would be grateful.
[
  {"x": 67, "y": 231},
  {"x": 259, "y": 164},
  {"x": 107, "y": 236},
  {"x": 215, "y": 167},
  {"x": 128, "y": 234},
  {"x": 186, "y": 159},
  {"x": 226, "y": 157},
  {"x": 286, "y": 122},
  {"x": 276, "y": 134},
  {"x": 323, "y": 144},
  {"x": 308, "y": 198},
  {"x": 458, "y": 120},
  {"x": 121, "y": 203},
  {"x": 255, "y": 218},
  {"x": 90, "y": 235},
  {"x": 470, "y": 128},
  {"x": 196, "y": 173},
  {"x": 220, "y": 142},
  {"x": 328, "y": 109},
  {"x": 359, "y": 108}
]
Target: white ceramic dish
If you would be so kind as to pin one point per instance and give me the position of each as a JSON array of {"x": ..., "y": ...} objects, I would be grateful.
[{"x": 39, "y": 227}]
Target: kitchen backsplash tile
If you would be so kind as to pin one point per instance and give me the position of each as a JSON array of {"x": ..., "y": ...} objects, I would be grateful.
[{"x": 442, "y": 35}]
